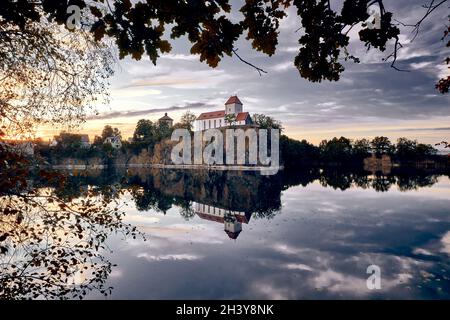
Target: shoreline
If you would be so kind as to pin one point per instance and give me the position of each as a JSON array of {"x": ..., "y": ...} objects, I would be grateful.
[{"x": 170, "y": 166}]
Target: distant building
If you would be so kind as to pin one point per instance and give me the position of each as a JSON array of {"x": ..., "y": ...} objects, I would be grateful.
[
  {"x": 216, "y": 119},
  {"x": 166, "y": 119},
  {"x": 232, "y": 220},
  {"x": 115, "y": 142},
  {"x": 67, "y": 138}
]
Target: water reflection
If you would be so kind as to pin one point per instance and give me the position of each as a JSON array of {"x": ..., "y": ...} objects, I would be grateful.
[
  {"x": 306, "y": 238},
  {"x": 232, "y": 220},
  {"x": 53, "y": 232}
]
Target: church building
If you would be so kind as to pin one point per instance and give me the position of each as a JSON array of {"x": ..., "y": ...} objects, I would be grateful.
[{"x": 216, "y": 119}]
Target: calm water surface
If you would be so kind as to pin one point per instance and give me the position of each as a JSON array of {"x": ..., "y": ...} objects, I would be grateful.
[{"x": 306, "y": 242}]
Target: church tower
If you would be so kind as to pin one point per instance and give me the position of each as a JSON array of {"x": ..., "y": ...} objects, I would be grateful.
[{"x": 233, "y": 105}]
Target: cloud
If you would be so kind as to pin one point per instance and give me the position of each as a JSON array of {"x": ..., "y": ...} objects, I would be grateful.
[
  {"x": 137, "y": 113},
  {"x": 173, "y": 76},
  {"x": 172, "y": 257},
  {"x": 131, "y": 93},
  {"x": 283, "y": 66},
  {"x": 179, "y": 56}
]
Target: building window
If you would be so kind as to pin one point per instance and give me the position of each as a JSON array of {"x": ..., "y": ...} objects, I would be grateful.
[
  {"x": 214, "y": 123},
  {"x": 209, "y": 124},
  {"x": 220, "y": 122}
]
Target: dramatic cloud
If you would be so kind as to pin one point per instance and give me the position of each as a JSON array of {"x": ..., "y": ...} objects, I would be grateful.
[
  {"x": 138, "y": 113},
  {"x": 370, "y": 98}
]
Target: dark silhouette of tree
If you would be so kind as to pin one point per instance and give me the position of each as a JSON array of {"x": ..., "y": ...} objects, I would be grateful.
[
  {"x": 382, "y": 145},
  {"x": 109, "y": 131},
  {"x": 139, "y": 28},
  {"x": 144, "y": 131},
  {"x": 361, "y": 148},
  {"x": 443, "y": 84},
  {"x": 296, "y": 154},
  {"x": 266, "y": 122},
  {"x": 187, "y": 120},
  {"x": 406, "y": 148},
  {"x": 336, "y": 150}
]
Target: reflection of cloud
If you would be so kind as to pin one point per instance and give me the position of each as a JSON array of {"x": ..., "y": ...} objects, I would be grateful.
[
  {"x": 298, "y": 266},
  {"x": 174, "y": 257},
  {"x": 141, "y": 219},
  {"x": 269, "y": 291},
  {"x": 334, "y": 281},
  {"x": 286, "y": 249},
  {"x": 446, "y": 243}
]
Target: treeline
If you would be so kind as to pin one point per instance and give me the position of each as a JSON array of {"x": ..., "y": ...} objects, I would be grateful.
[
  {"x": 344, "y": 151},
  {"x": 145, "y": 136},
  {"x": 294, "y": 153}
]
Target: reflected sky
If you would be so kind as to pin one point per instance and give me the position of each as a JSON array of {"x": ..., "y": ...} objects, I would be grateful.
[{"x": 317, "y": 246}]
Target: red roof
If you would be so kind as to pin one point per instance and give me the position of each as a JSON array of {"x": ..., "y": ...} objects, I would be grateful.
[
  {"x": 242, "y": 116},
  {"x": 233, "y": 99},
  {"x": 211, "y": 115},
  {"x": 211, "y": 217},
  {"x": 232, "y": 235}
]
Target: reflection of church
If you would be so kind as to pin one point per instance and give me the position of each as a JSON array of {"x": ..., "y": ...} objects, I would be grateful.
[{"x": 232, "y": 220}]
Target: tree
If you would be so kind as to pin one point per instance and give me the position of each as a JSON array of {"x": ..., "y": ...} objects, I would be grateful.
[
  {"x": 163, "y": 131},
  {"x": 443, "y": 84},
  {"x": 117, "y": 133},
  {"x": 336, "y": 149},
  {"x": 230, "y": 119},
  {"x": 139, "y": 28},
  {"x": 425, "y": 150},
  {"x": 144, "y": 131},
  {"x": 405, "y": 148},
  {"x": 361, "y": 148},
  {"x": 297, "y": 153},
  {"x": 187, "y": 120},
  {"x": 47, "y": 74},
  {"x": 98, "y": 141},
  {"x": 108, "y": 131},
  {"x": 382, "y": 145},
  {"x": 266, "y": 122}
]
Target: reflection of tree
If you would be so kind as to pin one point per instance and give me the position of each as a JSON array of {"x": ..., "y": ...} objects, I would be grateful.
[
  {"x": 147, "y": 199},
  {"x": 51, "y": 248},
  {"x": 186, "y": 209},
  {"x": 336, "y": 179},
  {"x": 415, "y": 181},
  {"x": 144, "y": 199},
  {"x": 383, "y": 183}
]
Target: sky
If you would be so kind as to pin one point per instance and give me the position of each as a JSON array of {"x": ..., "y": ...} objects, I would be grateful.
[{"x": 370, "y": 99}]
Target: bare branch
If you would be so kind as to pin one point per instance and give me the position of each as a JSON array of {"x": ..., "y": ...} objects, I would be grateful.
[{"x": 260, "y": 71}]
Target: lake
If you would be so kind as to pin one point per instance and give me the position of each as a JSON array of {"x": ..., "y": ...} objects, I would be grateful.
[{"x": 297, "y": 235}]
